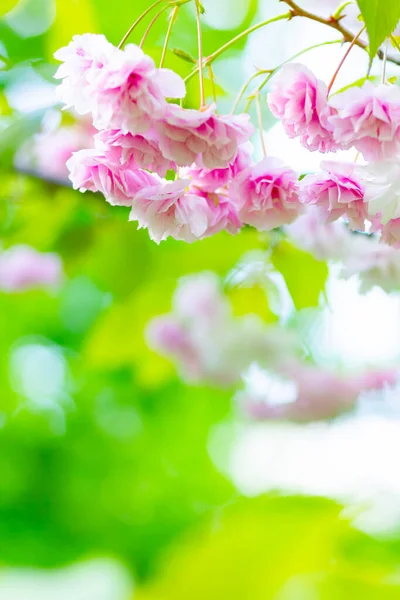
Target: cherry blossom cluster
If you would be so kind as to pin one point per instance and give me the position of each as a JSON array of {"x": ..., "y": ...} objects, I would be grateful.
[
  {"x": 184, "y": 173},
  {"x": 209, "y": 345},
  {"x": 207, "y": 342},
  {"x": 366, "y": 118},
  {"x": 374, "y": 263},
  {"x": 23, "y": 268},
  {"x": 189, "y": 174}
]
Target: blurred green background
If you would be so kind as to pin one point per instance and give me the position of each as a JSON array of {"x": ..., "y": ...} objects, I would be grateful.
[{"x": 104, "y": 451}]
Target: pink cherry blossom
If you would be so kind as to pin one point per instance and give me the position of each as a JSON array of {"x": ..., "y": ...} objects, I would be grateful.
[
  {"x": 51, "y": 149},
  {"x": 200, "y": 299},
  {"x": 140, "y": 150},
  {"x": 377, "y": 379},
  {"x": 326, "y": 241},
  {"x": 167, "y": 336},
  {"x": 83, "y": 60},
  {"x": 172, "y": 209},
  {"x": 187, "y": 136},
  {"x": 381, "y": 182},
  {"x": 391, "y": 233},
  {"x": 310, "y": 393},
  {"x": 266, "y": 195},
  {"x": 299, "y": 100},
  {"x": 368, "y": 118},
  {"x": 130, "y": 92},
  {"x": 374, "y": 263},
  {"x": 23, "y": 268},
  {"x": 92, "y": 170},
  {"x": 208, "y": 343},
  {"x": 210, "y": 180},
  {"x": 337, "y": 192}
]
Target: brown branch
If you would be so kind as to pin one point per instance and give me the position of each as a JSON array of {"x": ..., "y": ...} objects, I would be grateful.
[{"x": 335, "y": 23}]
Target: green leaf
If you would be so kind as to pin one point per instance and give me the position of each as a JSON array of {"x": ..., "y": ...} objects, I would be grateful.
[
  {"x": 6, "y": 6},
  {"x": 381, "y": 19},
  {"x": 304, "y": 275},
  {"x": 358, "y": 83},
  {"x": 17, "y": 133},
  {"x": 65, "y": 26},
  {"x": 244, "y": 555}
]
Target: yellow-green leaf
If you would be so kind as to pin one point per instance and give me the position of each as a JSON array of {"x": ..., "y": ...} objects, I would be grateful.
[{"x": 381, "y": 18}]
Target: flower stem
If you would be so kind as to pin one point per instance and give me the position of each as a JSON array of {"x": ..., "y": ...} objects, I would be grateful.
[
  {"x": 344, "y": 57},
  {"x": 212, "y": 79},
  {"x": 241, "y": 35},
  {"x": 200, "y": 54},
  {"x": 245, "y": 33},
  {"x": 384, "y": 62},
  {"x": 260, "y": 123},
  {"x": 246, "y": 85},
  {"x": 150, "y": 25},
  {"x": 138, "y": 20},
  {"x": 172, "y": 20},
  {"x": 272, "y": 72},
  {"x": 297, "y": 11}
]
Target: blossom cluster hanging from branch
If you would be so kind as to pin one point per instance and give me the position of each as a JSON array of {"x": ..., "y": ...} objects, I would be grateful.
[{"x": 189, "y": 173}]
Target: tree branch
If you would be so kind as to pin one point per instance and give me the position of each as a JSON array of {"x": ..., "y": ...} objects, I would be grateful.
[{"x": 334, "y": 23}]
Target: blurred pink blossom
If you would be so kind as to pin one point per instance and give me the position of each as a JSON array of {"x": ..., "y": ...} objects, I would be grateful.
[
  {"x": 381, "y": 182},
  {"x": 299, "y": 100},
  {"x": 316, "y": 394},
  {"x": 375, "y": 263},
  {"x": 167, "y": 336},
  {"x": 391, "y": 233},
  {"x": 52, "y": 149},
  {"x": 326, "y": 241},
  {"x": 266, "y": 194},
  {"x": 23, "y": 268},
  {"x": 207, "y": 342}
]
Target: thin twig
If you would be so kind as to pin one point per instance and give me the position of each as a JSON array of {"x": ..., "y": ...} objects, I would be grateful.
[
  {"x": 354, "y": 41},
  {"x": 272, "y": 72},
  {"x": 138, "y": 20},
  {"x": 150, "y": 25},
  {"x": 348, "y": 36},
  {"x": 384, "y": 62},
  {"x": 246, "y": 85},
  {"x": 200, "y": 54},
  {"x": 172, "y": 19},
  {"x": 209, "y": 59},
  {"x": 212, "y": 79},
  {"x": 260, "y": 123}
]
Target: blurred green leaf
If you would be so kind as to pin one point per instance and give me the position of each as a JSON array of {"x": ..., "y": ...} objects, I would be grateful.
[
  {"x": 304, "y": 275},
  {"x": 272, "y": 548},
  {"x": 6, "y": 6},
  {"x": 72, "y": 17},
  {"x": 13, "y": 136}
]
